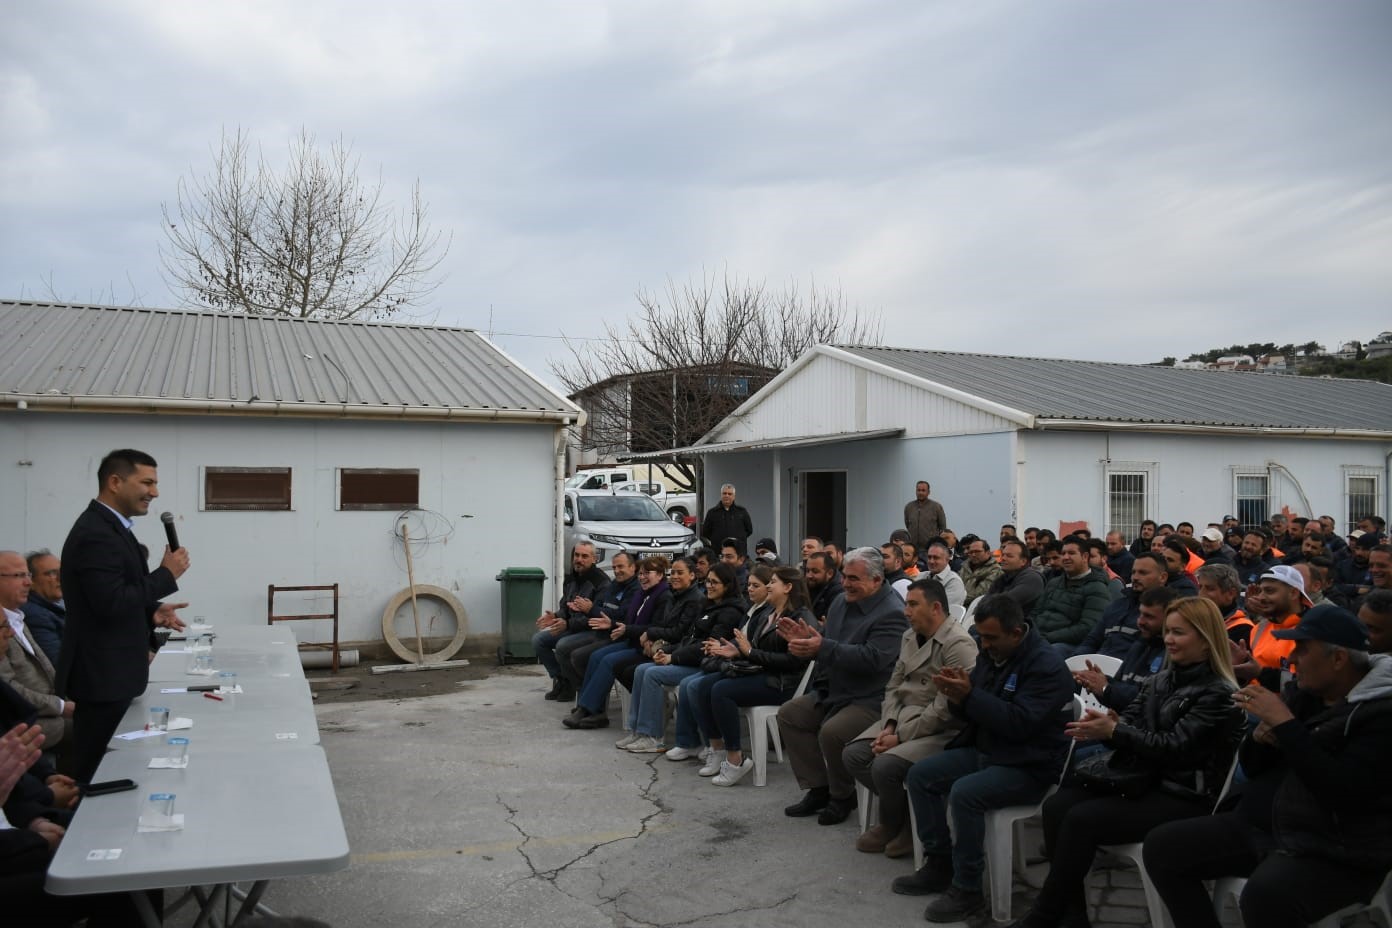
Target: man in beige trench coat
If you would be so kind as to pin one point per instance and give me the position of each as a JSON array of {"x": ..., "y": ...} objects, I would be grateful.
[{"x": 914, "y": 720}]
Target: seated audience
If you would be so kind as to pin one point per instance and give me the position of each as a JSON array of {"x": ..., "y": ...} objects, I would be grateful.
[
  {"x": 1312, "y": 828},
  {"x": 1142, "y": 660},
  {"x": 823, "y": 584},
  {"x": 1116, "y": 630},
  {"x": 566, "y": 628},
  {"x": 894, "y": 576},
  {"x": 613, "y": 610},
  {"x": 1218, "y": 583},
  {"x": 979, "y": 571},
  {"x": 1171, "y": 749},
  {"x": 755, "y": 669},
  {"x": 1119, "y": 557},
  {"x": 23, "y": 665},
  {"x": 915, "y": 719},
  {"x": 1214, "y": 550},
  {"x": 1018, "y": 580},
  {"x": 855, "y": 656},
  {"x": 938, "y": 556},
  {"x": 677, "y": 656},
  {"x": 1013, "y": 703},
  {"x": 1376, "y": 616},
  {"x": 1279, "y": 600},
  {"x": 732, "y": 552}
]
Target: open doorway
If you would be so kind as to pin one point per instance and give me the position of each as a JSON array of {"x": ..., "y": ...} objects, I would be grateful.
[{"x": 822, "y": 505}]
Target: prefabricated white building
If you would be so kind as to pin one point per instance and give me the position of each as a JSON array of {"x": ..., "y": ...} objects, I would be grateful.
[
  {"x": 834, "y": 445},
  {"x": 288, "y": 450}
]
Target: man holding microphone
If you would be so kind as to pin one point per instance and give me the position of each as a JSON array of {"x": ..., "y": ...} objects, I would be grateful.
[{"x": 113, "y": 604}]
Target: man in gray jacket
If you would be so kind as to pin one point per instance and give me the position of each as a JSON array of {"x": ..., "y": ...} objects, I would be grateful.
[{"x": 854, "y": 656}]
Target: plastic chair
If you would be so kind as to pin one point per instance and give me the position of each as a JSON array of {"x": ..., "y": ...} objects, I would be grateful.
[
  {"x": 958, "y": 612},
  {"x": 867, "y": 807},
  {"x": 1108, "y": 665},
  {"x": 1380, "y": 908},
  {"x": 763, "y": 729},
  {"x": 971, "y": 610}
]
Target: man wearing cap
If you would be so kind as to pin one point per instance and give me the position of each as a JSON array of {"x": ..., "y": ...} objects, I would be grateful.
[
  {"x": 1281, "y": 601},
  {"x": 1214, "y": 550},
  {"x": 765, "y": 550},
  {"x": 1312, "y": 832}
]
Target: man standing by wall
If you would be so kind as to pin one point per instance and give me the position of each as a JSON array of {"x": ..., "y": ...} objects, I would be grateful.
[
  {"x": 923, "y": 517},
  {"x": 113, "y": 605},
  {"x": 727, "y": 520}
]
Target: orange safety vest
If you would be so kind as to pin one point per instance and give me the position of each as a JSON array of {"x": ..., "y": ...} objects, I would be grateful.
[
  {"x": 1239, "y": 620},
  {"x": 1272, "y": 652},
  {"x": 1195, "y": 562}
]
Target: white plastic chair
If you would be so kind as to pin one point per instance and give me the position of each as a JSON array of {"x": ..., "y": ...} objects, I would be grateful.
[
  {"x": 624, "y": 697},
  {"x": 958, "y": 612},
  {"x": 763, "y": 729},
  {"x": 1380, "y": 908},
  {"x": 1108, "y": 665},
  {"x": 867, "y": 807},
  {"x": 971, "y": 610}
]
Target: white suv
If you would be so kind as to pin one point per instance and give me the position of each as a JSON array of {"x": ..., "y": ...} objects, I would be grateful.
[{"x": 616, "y": 521}]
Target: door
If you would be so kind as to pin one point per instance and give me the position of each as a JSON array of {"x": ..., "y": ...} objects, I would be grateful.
[{"x": 822, "y": 505}]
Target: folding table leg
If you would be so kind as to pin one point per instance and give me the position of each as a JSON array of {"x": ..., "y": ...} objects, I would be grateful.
[
  {"x": 206, "y": 916},
  {"x": 147, "y": 911},
  {"x": 251, "y": 901}
]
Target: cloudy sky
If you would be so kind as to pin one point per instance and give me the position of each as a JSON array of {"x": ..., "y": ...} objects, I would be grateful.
[{"x": 1095, "y": 180}]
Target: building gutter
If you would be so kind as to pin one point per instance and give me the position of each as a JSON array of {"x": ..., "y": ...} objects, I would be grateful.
[
  {"x": 261, "y": 408},
  {"x": 1188, "y": 429}
]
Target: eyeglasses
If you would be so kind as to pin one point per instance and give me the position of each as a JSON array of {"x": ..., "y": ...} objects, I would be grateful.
[{"x": 19, "y": 576}]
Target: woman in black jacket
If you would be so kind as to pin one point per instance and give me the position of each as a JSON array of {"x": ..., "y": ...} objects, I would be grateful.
[
  {"x": 1171, "y": 753},
  {"x": 674, "y": 659},
  {"x": 756, "y": 670}
]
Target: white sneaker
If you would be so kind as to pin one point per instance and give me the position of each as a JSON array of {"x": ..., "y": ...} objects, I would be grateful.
[
  {"x": 706, "y": 752},
  {"x": 713, "y": 764},
  {"x": 646, "y": 744},
  {"x": 681, "y": 753},
  {"x": 730, "y": 774},
  {"x": 626, "y": 740}
]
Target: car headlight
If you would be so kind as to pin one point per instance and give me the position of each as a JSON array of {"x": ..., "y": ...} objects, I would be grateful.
[{"x": 605, "y": 539}]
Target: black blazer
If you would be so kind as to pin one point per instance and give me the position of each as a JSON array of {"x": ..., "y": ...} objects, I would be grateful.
[{"x": 111, "y": 597}]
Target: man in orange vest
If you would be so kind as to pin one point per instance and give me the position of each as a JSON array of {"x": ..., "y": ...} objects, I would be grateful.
[
  {"x": 1281, "y": 601},
  {"x": 1219, "y": 584}
]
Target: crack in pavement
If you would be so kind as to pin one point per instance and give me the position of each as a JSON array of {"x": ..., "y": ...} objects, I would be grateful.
[{"x": 743, "y": 910}]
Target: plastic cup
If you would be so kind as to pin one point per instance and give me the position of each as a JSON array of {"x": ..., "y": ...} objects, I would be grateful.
[
  {"x": 159, "y": 809},
  {"x": 227, "y": 681},
  {"x": 159, "y": 718},
  {"x": 176, "y": 749}
]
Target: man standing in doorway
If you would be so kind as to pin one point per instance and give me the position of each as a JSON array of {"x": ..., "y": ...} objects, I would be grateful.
[
  {"x": 727, "y": 520},
  {"x": 113, "y": 603},
  {"x": 923, "y": 517}
]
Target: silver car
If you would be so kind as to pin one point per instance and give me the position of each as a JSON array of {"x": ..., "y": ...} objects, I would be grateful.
[{"x": 617, "y": 521}]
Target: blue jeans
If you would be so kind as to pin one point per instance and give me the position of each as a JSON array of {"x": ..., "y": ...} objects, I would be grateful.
[
  {"x": 647, "y": 711},
  {"x": 721, "y": 699},
  {"x": 599, "y": 675},
  {"x": 545, "y": 645},
  {"x": 958, "y": 778},
  {"x": 689, "y": 693}
]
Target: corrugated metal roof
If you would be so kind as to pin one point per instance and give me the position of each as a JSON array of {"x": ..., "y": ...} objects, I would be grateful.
[
  {"x": 1097, "y": 391},
  {"x": 758, "y": 444},
  {"x": 227, "y": 360}
]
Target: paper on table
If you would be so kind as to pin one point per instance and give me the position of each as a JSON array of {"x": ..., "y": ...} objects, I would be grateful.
[
  {"x": 175, "y": 689},
  {"x": 140, "y": 733},
  {"x": 201, "y": 673},
  {"x": 167, "y": 763},
  {"x": 180, "y": 724},
  {"x": 175, "y": 822},
  {"x": 229, "y": 690}
]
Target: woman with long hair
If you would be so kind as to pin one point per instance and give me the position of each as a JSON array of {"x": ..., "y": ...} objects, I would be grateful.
[
  {"x": 755, "y": 670},
  {"x": 1172, "y": 748}
]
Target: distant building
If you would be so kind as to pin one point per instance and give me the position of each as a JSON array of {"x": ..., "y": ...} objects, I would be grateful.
[{"x": 1379, "y": 347}]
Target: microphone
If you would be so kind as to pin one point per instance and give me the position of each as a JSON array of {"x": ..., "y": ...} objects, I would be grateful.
[{"x": 168, "y": 519}]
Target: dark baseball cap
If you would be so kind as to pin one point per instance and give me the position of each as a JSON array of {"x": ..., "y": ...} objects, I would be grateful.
[
  {"x": 765, "y": 544},
  {"x": 1329, "y": 623}
]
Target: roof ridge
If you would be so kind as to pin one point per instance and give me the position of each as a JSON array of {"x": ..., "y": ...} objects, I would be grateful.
[{"x": 196, "y": 311}]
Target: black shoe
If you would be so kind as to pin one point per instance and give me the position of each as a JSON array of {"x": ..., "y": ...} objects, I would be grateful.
[
  {"x": 935, "y": 876},
  {"x": 593, "y": 720},
  {"x": 813, "y": 801},
  {"x": 577, "y": 715},
  {"x": 556, "y": 685},
  {"x": 1033, "y": 919},
  {"x": 955, "y": 905},
  {"x": 565, "y": 692},
  {"x": 837, "y": 810}
]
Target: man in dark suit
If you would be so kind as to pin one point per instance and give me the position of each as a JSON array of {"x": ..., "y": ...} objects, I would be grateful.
[{"x": 113, "y": 605}]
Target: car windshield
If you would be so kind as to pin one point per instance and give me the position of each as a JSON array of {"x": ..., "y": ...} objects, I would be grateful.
[{"x": 620, "y": 509}]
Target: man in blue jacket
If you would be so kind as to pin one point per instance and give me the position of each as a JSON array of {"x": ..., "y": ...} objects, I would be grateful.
[{"x": 1013, "y": 746}]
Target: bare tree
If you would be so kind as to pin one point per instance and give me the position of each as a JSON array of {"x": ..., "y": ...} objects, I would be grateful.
[
  {"x": 667, "y": 374},
  {"x": 313, "y": 240}
]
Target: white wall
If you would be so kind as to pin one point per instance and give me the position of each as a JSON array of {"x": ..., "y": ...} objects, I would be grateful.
[
  {"x": 971, "y": 475},
  {"x": 1062, "y": 477},
  {"x": 493, "y": 484}
]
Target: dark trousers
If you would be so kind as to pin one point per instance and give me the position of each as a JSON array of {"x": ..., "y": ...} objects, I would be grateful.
[
  {"x": 1077, "y": 823},
  {"x": 882, "y": 774},
  {"x": 624, "y": 670},
  {"x": 1282, "y": 891},
  {"x": 24, "y": 860},
  {"x": 573, "y": 669},
  {"x": 815, "y": 736},
  {"x": 717, "y": 702},
  {"x": 93, "y": 725}
]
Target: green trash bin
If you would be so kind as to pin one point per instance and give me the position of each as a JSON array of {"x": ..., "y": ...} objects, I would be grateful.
[{"x": 522, "y": 588}]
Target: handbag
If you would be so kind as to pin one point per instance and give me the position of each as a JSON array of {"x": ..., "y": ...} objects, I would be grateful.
[
  {"x": 739, "y": 667},
  {"x": 1110, "y": 775}
]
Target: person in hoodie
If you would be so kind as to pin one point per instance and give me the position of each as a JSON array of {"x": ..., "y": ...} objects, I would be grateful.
[
  {"x": 1010, "y": 750},
  {"x": 653, "y": 600},
  {"x": 676, "y": 656},
  {"x": 1072, "y": 602},
  {"x": 1312, "y": 829},
  {"x": 1182, "y": 729}
]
